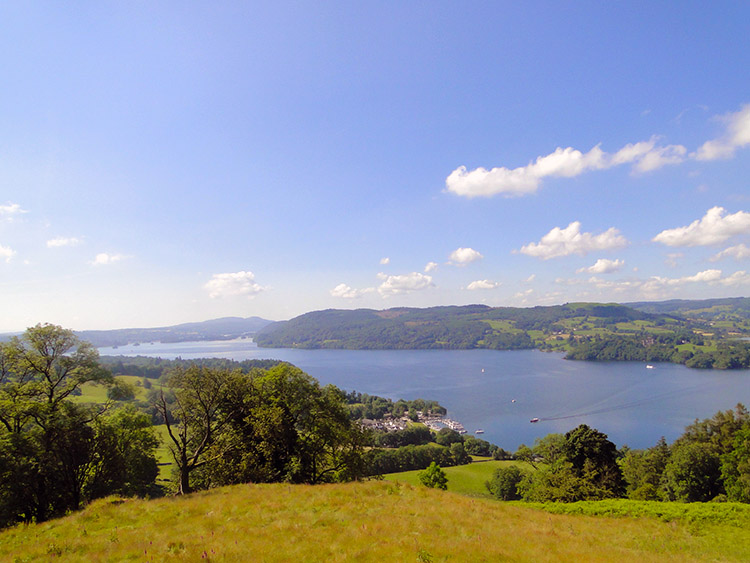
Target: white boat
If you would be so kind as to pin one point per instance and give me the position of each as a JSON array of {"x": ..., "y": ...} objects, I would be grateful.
[
  {"x": 480, "y": 431},
  {"x": 649, "y": 366},
  {"x": 535, "y": 419}
]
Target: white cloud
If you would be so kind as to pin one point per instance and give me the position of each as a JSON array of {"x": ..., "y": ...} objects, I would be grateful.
[
  {"x": 603, "y": 266},
  {"x": 522, "y": 295},
  {"x": 738, "y": 252},
  {"x": 567, "y": 163},
  {"x": 713, "y": 228},
  {"x": 737, "y": 278},
  {"x": 659, "y": 157},
  {"x": 483, "y": 284},
  {"x": 10, "y": 211},
  {"x": 394, "y": 285},
  {"x": 531, "y": 278},
  {"x": 7, "y": 253},
  {"x": 430, "y": 267},
  {"x": 344, "y": 291},
  {"x": 385, "y": 261},
  {"x": 570, "y": 240},
  {"x": 63, "y": 241},
  {"x": 737, "y": 135},
  {"x": 673, "y": 258},
  {"x": 231, "y": 284},
  {"x": 463, "y": 256},
  {"x": 104, "y": 258}
]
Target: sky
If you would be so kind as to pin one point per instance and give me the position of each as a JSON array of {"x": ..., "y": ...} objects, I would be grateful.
[{"x": 169, "y": 162}]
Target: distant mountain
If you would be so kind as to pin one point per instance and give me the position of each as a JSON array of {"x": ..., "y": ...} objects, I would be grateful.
[{"x": 226, "y": 328}]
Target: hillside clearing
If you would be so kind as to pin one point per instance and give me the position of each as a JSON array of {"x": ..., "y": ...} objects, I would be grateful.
[{"x": 369, "y": 521}]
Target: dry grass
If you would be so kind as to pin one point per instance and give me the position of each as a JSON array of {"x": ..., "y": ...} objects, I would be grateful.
[{"x": 372, "y": 521}]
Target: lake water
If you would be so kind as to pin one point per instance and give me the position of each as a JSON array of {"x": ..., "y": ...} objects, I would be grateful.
[{"x": 500, "y": 392}]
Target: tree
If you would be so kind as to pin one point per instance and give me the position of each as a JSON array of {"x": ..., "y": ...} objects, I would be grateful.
[
  {"x": 642, "y": 470},
  {"x": 504, "y": 483},
  {"x": 191, "y": 414},
  {"x": 693, "y": 472},
  {"x": 735, "y": 467},
  {"x": 594, "y": 458},
  {"x": 282, "y": 426},
  {"x": 433, "y": 477},
  {"x": 47, "y": 441}
]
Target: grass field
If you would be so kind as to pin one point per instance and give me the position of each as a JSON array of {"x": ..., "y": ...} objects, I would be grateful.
[
  {"x": 462, "y": 479},
  {"x": 369, "y": 521}
]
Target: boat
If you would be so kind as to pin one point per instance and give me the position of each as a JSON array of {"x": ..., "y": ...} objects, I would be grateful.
[
  {"x": 480, "y": 431},
  {"x": 513, "y": 401},
  {"x": 535, "y": 419},
  {"x": 649, "y": 366}
]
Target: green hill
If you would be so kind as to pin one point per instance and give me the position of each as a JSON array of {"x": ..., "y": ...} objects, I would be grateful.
[
  {"x": 700, "y": 334},
  {"x": 369, "y": 521}
]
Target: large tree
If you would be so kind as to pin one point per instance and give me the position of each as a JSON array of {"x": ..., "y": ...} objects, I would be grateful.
[
  {"x": 51, "y": 450},
  {"x": 192, "y": 416}
]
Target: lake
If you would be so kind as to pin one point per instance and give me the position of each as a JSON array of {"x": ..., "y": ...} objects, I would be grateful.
[{"x": 500, "y": 392}]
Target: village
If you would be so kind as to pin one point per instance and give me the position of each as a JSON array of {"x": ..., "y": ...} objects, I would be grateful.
[{"x": 390, "y": 423}]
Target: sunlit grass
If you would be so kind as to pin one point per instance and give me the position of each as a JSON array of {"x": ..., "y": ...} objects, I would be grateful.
[
  {"x": 463, "y": 479},
  {"x": 371, "y": 521}
]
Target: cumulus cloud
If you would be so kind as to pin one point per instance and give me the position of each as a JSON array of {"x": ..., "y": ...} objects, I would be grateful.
[
  {"x": 345, "y": 292},
  {"x": 738, "y": 252},
  {"x": 563, "y": 162},
  {"x": 103, "y": 259},
  {"x": 232, "y": 284},
  {"x": 603, "y": 266},
  {"x": 431, "y": 267},
  {"x": 570, "y": 240},
  {"x": 737, "y": 135},
  {"x": 63, "y": 241},
  {"x": 713, "y": 228},
  {"x": 385, "y": 261},
  {"x": 395, "y": 285},
  {"x": 10, "y": 211},
  {"x": 6, "y": 253},
  {"x": 463, "y": 256},
  {"x": 737, "y": 278},
  {"x": 483, "y": 284}
]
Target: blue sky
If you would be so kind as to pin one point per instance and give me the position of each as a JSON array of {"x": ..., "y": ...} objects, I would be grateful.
[{"x": 165, "y": 162}]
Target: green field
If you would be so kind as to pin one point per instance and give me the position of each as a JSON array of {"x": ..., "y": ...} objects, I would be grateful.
[{"x": 462, "y": 479}]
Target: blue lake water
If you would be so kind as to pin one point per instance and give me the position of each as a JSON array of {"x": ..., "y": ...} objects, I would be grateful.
[{"x": 631, "y": 404}]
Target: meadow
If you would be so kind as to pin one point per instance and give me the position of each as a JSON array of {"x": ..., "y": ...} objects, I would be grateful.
[{"x": 366, "y": 521}]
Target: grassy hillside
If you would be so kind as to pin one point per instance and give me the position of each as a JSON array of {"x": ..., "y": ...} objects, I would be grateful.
[{"x": 371, "y": 521}]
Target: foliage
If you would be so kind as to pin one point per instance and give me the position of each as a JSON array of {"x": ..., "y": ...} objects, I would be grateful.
[
  {"x": 362, "y": 405},
  {"x": 735, "y": 466},
  {"x": 643, "y": 470},
  {"x": 434, "y": 477},
  {"x": 407, "y": 458},
  {"x": 56, "y": 455},
  {"x": 282, "y": 426},
  {"x": 412, "y": 435},
  {"x": 504, "y": 483},
  {"x": 692, "y": 473}
]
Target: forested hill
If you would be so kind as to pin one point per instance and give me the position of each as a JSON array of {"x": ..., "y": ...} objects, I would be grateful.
[
  {"x": 700, "y": 334},
  {"x": 467, "y": 327},
  {"x": 710, "y": 309},
  {"x": 217, "y": 329}
]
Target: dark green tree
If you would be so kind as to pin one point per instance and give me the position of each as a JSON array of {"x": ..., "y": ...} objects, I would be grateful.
[
  {"x": 693, "y": 472},
  {"x": 504, "y": 483},
  {"x": 433, "y": 477}
]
